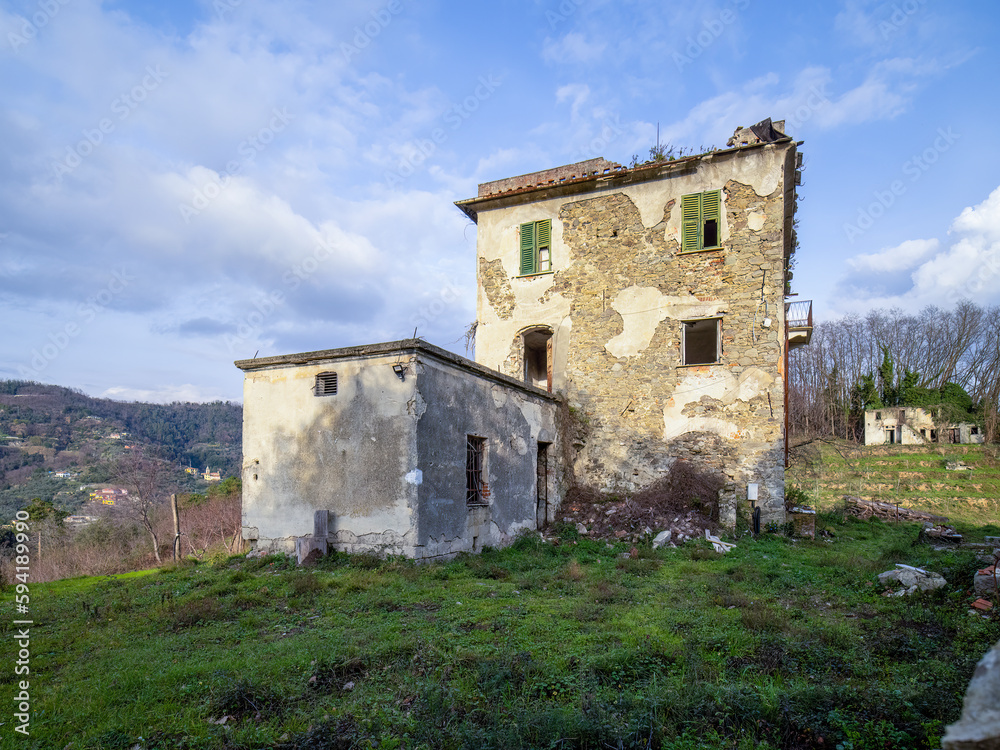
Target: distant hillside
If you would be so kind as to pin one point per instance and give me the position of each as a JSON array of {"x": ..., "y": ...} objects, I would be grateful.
[{"x": 46, "y": 429}]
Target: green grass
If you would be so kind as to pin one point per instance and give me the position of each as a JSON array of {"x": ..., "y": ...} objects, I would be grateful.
[
  {"x": 913, "y": 476},
  {"x": 779, "y": 644}
]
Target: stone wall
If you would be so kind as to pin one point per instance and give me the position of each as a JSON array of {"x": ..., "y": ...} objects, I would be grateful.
[{"x": 616, "y": 301}]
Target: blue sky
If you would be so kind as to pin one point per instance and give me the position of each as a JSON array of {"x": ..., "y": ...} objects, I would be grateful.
[{"x": 184, "y": 184}]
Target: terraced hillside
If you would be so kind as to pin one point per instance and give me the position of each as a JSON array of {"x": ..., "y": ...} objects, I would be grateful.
[{"x": 916, "y": 477}]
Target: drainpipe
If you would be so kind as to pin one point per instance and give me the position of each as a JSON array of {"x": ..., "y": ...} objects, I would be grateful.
[{"x": 786, "y": 386}]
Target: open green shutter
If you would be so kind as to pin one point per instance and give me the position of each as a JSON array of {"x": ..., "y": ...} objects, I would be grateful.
[
  {"x": 690, "y": 222},
  {"x": 527, "y": 248},
  {"x": 544, "y": 229},
  {"x": 711, "y": 205}
]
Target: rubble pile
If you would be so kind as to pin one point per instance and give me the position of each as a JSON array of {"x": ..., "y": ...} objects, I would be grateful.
[{"x": 629, "y": 520}]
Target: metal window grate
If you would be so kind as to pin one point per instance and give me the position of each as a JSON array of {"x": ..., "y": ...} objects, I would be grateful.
[
  {"x": 326, "y": 384},
  {"x": 475, "y": 489}
]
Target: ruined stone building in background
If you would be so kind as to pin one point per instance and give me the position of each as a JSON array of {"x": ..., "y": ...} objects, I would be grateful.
[
  {"x": 914, "y": 425},
  {"x": 649, "y": 300}
]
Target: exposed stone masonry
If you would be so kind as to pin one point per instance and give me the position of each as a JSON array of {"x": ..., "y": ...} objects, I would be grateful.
[
  {"x": 496, "y": 284},
  {"x": 625, "y": 398}
]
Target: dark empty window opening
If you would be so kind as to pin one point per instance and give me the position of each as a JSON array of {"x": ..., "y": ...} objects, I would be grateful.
[
  {"x": 902, "y": 416},
  {"x": 923, "y": 434},
  {"x": 476, "y": 490},
  {"x": 701, "y": 341},
  {"x": 326, "y": 384},
  {"x": 538, "y": 358},
  {"x": 933, "y": 436},
  {"x": 891, "y": 435},
  {"x": 878, "y": 415},
  {"x": 711, "y": 233},
  {"x": 974, "y": 430}
]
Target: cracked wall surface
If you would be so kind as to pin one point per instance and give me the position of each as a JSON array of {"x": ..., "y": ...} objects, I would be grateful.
[{"x": 616, "y": 299}]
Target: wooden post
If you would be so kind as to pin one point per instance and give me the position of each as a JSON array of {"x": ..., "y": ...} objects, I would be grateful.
[{"x": 177, "y": 527}]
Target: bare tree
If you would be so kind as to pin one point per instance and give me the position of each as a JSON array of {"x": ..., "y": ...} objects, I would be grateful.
[
  {"x": 960, "y": 346},
  {"x": 147, "y": 480}
]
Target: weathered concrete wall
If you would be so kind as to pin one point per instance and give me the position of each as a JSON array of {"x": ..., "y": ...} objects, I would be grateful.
[
  {"x": 352, "y": 453},
  {"x": 387, "y": 456},
  {"x": 513, "y": 422},
  {"x": 615, "y": 301}
]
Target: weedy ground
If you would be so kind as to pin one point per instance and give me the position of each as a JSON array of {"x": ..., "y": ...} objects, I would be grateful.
[
  {"x": 779, "y": 644},
  {"x": 912, "y": 476}
]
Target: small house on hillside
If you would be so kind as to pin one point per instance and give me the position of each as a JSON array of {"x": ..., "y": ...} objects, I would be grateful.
[{"x": 913, "y": 425}]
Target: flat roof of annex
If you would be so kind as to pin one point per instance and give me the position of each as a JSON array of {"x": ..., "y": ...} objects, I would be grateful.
[
  {"x": 585, "y": 176},
  {"x": 412, "y": 347}
]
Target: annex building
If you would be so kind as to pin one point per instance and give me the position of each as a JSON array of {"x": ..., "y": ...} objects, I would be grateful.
[{"x": 627, "y": 318}]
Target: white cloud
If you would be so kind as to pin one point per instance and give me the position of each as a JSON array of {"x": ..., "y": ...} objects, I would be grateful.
[
  {"x": 969, "y": 268},
  {"x": 904, "y": 256},
  {"x": 572, "y": 48}
]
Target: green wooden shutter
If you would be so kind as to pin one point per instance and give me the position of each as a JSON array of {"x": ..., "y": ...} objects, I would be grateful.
[
  {"x": 543, "y": 246},
  {"x": 690, "y": 222},
  {"x": 527, "y": 248},
  {"x": 711, "y": 208},
  {"x": 544, "y": 233}
]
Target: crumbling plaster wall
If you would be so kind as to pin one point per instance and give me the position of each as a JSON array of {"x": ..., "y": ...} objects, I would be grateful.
[
  {"x": 615, "y": 302},
  {"x": 513, "y": 421},
  {"x": 353, "y": 453}
]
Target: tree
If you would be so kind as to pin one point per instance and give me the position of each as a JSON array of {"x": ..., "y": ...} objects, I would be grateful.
[
  {"x": 147, "y": 479},
  {"x": 44, "y": 515}
]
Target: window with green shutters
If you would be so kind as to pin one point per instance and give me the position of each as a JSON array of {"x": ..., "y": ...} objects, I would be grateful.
[
  {"x": 536, "y": 250},
  {"x": 701, "y": 220}
]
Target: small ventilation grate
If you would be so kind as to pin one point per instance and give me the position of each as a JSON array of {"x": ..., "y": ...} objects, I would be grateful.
[{"x": 326, "y": 384}]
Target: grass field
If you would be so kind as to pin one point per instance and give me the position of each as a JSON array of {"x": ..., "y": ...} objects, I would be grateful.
[
  {"x": 780, "y": 644},
  {"x": 913, "y": 476}
]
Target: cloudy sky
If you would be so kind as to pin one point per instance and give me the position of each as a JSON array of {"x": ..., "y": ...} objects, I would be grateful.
[{"x": 187, "y": 183}]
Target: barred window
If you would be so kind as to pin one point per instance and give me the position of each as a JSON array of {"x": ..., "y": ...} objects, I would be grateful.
[{"x": 475, "y": 488}]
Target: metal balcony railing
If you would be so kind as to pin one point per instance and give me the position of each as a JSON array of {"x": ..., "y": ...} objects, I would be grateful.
[
  {"x": 799, "y": 322},
  {"x": 799, "y": 314}
]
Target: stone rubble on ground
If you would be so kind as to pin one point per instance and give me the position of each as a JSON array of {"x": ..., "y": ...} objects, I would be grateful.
[
  {"x": 979, "y": 726},
  {"x": 662, "y": 539},
  {"x": 986, "y": 580},
  {"x": 910, "y": 580}
]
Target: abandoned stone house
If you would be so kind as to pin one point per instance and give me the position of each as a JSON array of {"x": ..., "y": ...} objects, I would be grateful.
[
  {"x": 627, "y": 318},
  {"x": 913, "y": 425}
]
